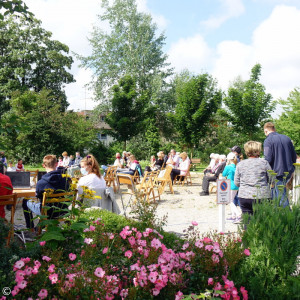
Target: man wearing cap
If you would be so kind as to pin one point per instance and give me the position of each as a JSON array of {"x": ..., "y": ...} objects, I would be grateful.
[
  {"x": 279, "y": 151},
  {"x": 216, "y": 171}
]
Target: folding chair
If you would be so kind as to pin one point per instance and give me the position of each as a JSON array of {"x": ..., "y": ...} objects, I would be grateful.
[
  {"x": 10, "y": 200},
  {"x": 56, "y": 198},
  {"x": 147, "y": 185},
  {"x": 110, "y": 177},
  {"x": 126, "y": 179},
  {"x": 161, "y": 182},
  {"x": 184, "y": 179}
]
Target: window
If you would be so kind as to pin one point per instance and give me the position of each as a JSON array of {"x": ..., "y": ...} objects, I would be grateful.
[
  {"x": 102, "y": 118},
  {"x": 102, "y": 136}
]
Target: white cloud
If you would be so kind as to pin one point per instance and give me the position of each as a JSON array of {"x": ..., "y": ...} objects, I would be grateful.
[
  {"x": 229, "y": 9},
  {"x": 275, "y": 45},
  {"x": 191, "y": 53}
]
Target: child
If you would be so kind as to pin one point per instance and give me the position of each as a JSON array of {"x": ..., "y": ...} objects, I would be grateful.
[
  {"x": 229, "y": 172},
  {"x": 11, "y": 168}
]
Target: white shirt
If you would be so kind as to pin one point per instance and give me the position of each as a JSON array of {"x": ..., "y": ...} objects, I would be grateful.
[
  {"x": 66, "y": 161},
  {"x": 183, "y": 166},
  {"x": 92, "y": 181},
  {"x": 11, "y": 169}
]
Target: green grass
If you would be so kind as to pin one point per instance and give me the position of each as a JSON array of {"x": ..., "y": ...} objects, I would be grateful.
[{"x": 34, "y": 167}]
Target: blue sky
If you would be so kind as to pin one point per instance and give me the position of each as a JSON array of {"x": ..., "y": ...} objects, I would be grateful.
[{"x": 222, "y": 37}]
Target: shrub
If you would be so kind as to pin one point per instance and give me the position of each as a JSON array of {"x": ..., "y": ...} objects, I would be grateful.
[{"x": 273, "y": 235}]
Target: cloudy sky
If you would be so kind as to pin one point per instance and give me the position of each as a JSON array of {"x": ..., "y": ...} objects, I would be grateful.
[{"x": 222, "y": 37}]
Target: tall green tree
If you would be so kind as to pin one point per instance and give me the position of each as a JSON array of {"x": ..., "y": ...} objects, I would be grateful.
[
  {"x": 42, "y": 128},
  {"x": 127, "y": 115},
  {"x": 31, "y": 60},
  {"x": 130, "y": 47},
  {"x": 12, "y": 7},
  {"x": 248, "y": 105},
  {"x": 289, "y": 121},
  {"x": 197, "y": 99}
]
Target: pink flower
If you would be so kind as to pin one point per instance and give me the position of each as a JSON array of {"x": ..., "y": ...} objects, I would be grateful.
[
  {"x": 209, "y": 247},
  {"x": 19, "y": 264},
  {"x": 72, "y": 256},
  {"x": 37, "y": 263},
  {"x": 92, "y": 228},
  {"x": 155, "y": 243},
  {"x": 46, "y": 258},
  {"x": 42, "y": 243},
  {"x": 28, "y": 271},
  {"x": 111, "y": 236},
  {"x": 207, "y": 240},
  {"x": 105, "y": 250},
  {"x": 22, "y": 284},
  {"x": 135, "y": 267},
  {"x": 99, "y": 272},
  {"x": 247, "y": 252},
  {"x": 128, "y": 253},
  {"x": 53, "y": 277},
  {"x": 124, "y": 293},
  {"x": 210, "y": 281},
  {"x": 199, "y": 244},
  {"x": 194, "y": 223},
  {"x": 88, "y": 241},
  {"x": 152, "y": 276},
  {"x": 179, "y": 296},
  {"x": 20, "y": 275},
  {"x": 51, "y": 268},
  {"x": 215, "y": 258},
  {"x": 155, "y": 292},
  {"x": 43, "y": 293},
  {"x": 131, "y": 240},
  {"x": 26, "y": 260},
  {"x": 244, "y": 293},
  {"x": 185, "y": 245},
  {"x": 15, "y": 291}
]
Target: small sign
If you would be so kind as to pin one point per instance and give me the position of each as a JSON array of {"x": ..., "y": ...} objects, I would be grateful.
[{"x": 223, "y": 191}]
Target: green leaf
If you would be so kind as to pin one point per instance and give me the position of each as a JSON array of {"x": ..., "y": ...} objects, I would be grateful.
[{"x": 48, "y": 236}]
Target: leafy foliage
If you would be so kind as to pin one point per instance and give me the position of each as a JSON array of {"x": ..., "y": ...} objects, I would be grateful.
[
  {"x": 289, "y": 121},
  {"x": 45, "y": 129},
  {"x": 130, "y": 47},
  {"x": 273, "y": 235},
  {"x": 197, "y": 100},
  {"x": 127, "y": 115},
  {"x": 31, "y": 60},
  {"x": 14, "y": 6},
  {"x": 248, "y": 105}
]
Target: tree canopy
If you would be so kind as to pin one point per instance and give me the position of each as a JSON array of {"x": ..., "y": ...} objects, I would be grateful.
[
  {"x": 127, "y": 116},
  {"x": 44, "y": 128},
  {"x": 247, "y": 105},
  {"x": 197, "y": 99},
  {"x": 130, "y": 47},
  {"x": 289, "y": 121},
  {"x": 31, "y": 60}
]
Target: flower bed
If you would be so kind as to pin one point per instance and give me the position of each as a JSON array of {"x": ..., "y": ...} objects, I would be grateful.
[{"x": 132, "y": 264}]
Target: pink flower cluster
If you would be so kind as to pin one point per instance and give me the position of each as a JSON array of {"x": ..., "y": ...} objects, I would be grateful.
[{"x": 230, "y": 291}]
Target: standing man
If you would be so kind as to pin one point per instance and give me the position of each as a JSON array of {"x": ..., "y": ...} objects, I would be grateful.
[
  {"x": 78, "y": 159},
  {"x": 279, "y": 151}
]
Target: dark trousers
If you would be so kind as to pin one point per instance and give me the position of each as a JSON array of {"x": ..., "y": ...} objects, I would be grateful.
[
  {"x": 174, "y": 173},
  {"x": 206, "y": 181},
  {"x": 27, "y": 215}
]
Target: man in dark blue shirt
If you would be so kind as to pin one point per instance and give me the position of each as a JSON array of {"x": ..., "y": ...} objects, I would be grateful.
[
  {"x": 51, "y": 180},
  {"x": 279, "y": 151}
]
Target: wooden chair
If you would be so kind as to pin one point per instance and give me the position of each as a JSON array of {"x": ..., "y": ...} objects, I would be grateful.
[
  {"x": 126, "y": 179},
  {"x": 10, "y": 200},
  {"x": 110, "y": 177},
  {"x": 147, "y": 186},
  {"x": 57, "y": 198},
  {"x": 180, "y": 179},
  {"x": 161, "y": 182},
  {"x": 34, "y": 175}
]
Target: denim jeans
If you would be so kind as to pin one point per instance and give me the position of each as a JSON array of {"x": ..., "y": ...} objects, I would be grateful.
[{"x": 282, "y": 193}]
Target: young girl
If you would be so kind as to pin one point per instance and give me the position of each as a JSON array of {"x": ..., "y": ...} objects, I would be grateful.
[{"x": 229, "y": 172}]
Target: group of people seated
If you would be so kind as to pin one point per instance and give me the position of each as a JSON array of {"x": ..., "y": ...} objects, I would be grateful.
[
  {"x": 66, "y": 161},
  {"x": 9, "y": 166}
]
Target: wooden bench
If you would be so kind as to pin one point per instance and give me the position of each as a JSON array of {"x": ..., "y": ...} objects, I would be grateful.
[{"x": 195, "y": 162}]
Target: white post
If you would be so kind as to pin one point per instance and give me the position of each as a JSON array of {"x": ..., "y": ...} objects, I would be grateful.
[
  {"x": 296, "y": 182},
  {"x": 222, "y": 217}
]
